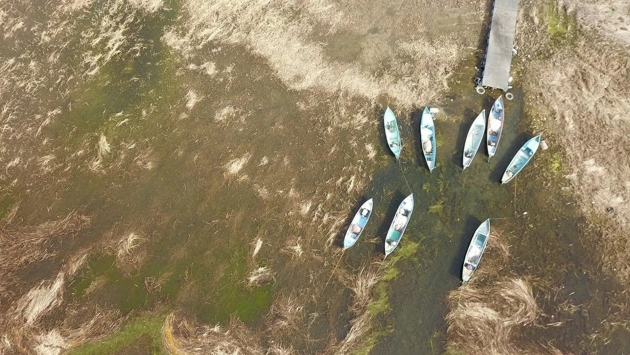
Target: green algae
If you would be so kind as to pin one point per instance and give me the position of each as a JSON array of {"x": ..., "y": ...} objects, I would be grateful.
[{"x": 145, "y": 330}]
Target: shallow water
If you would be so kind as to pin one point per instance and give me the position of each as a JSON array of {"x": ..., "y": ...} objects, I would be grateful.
[{"x": 252, "y": 159}]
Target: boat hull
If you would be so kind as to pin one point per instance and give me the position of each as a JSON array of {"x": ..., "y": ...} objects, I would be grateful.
[
  {"x": 427, "y": 138},
  {"x": 495, "y": 126},
  {"x": 359, "y": 221},
  {"x": 399, "y": 225},
  {"x": 473, "y": 139},
  {"x": 475, "y": 250},
  {"x": 392, "y": 133},
  {"x": 520, "y": 160}
]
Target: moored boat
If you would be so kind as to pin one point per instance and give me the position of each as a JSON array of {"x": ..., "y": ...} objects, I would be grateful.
[
  {"x": 495, "y": 126},
  {"x": 475, "y": 250},
  {"x": 358, "y": 223},
  {"x": 427, "y": 138},
  {"x": 392, "y": 134},
  {"x": 474, "y": 138},
  {"x": 522, "y": 157},
  {"x": 399, "y": 224}
]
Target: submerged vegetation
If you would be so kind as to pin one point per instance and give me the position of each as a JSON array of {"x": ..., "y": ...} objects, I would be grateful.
[{"x": 177, "y": 174}]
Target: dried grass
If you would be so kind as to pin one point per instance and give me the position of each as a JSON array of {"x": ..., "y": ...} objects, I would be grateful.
[
  {"x": 282, "y": 32},
  {"x": 286, "y": 316},
  {"x": 259, "y": 276},
  {"x": 257, "y": 247},
  {"x": 39, "y": 300},
  {"x": 488, "y": 318},
  {"x": 23, "y": 246},
  {"x": 128, "y": 254},
  {"x": 592, "y": 111},
  {"x": 487, "y": 314},
  {"x": 234, "y": 166},
  {"x": 365, "y": 282},
  {"x": 181, "y": 337}
]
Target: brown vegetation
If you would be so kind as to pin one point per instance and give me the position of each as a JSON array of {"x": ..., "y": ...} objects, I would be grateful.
[
  {"x": 488, "y": 313},
  {"x": 22, "y": 246},
  {"x": 579, "y": 94}
]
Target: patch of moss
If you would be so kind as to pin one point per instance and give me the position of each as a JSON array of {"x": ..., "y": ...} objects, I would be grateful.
[
  {"x": 231, "y": 295},
  {"x": 380, "y": 304},
  {"x": 437, "y": 208},
  {"x": 144, "y": 331},
  {"x": 561, "y": 25},
  {"x": 555, "y": 165}
]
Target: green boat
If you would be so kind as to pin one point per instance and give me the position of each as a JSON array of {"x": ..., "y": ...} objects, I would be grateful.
[
  {"x": 392, "y": 133},
  {"x": 358, "y": 224},
  {"x": 475, "y": 250},
  {"x": 474, "y": 138},
  {"x": 399, "y": 224},
  {"x": 427, "y": 138},
  {"x": 521, "y": 159}
]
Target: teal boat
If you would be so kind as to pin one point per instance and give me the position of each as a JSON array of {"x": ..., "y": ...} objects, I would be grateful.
[
  {"x": 358, "y": 223},
  {"x": 399, "y": 224},
  {"x": 495, "y": 126},
  {"x": 392, "y": 133},
  {"x": 521, "y": 159},
  {"x": 474, "y": 138},
  {"x": 475, "y": 250},
  {"x": 427, "y": 138}
]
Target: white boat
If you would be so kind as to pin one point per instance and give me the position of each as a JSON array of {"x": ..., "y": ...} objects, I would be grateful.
[
  {"x": 358, "y": 223},
  {"x": 475, "y": 250},
  {"x": 522, "y": 157},
  {"x": 474, "y": 138},
  {"x": 392, "y": 134},
  {"x": 399, "y": 224},
  {"x": 495, "y": 126},
  {"x": 427, "y": 138}
]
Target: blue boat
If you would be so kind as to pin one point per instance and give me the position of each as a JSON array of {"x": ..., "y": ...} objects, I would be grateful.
[
  {"x": 392, "y": 133},
  {"x": 399, "y": 224},
  {"x": 427, "y": 138},
  {"x": 358, "y": 223},
  {"x": 473, "y": 139},
  {"x": 495, "y": 126},
  {"x": 475, "y": 250},
  {"x": 521, "y": 159}
]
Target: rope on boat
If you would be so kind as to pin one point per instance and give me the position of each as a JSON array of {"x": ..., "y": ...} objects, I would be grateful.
[{"x": 404, "y": 177}]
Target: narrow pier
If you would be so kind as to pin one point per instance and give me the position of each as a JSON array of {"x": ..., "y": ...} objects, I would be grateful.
[{"x": 496, "y": 71}]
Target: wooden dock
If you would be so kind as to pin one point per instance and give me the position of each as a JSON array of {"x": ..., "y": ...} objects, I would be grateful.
[{"x": 496, "y": 71}]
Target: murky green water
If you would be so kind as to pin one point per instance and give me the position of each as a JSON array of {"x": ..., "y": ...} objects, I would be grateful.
[{"x": 167, "y": 178}]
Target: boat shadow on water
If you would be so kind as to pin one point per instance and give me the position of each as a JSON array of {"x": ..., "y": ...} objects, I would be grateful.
[
  {"x": 468, "y": 118},
  {"x": 470, "y": 226},
  {"x": 513, "y": 147},
  {"x": 414, "y": 120},
  {"x": 386, "y": 220}
]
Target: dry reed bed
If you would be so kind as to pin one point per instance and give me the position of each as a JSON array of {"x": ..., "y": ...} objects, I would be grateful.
[
  {"x": 283, "y": 33},
  {"x": 22, "y": 329},
  {"x": 284, "y": 323},
  {"x": 22, "y": 246},
  {"x": 581, "y": 100},
  {"x": 487, "y": 314}
]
